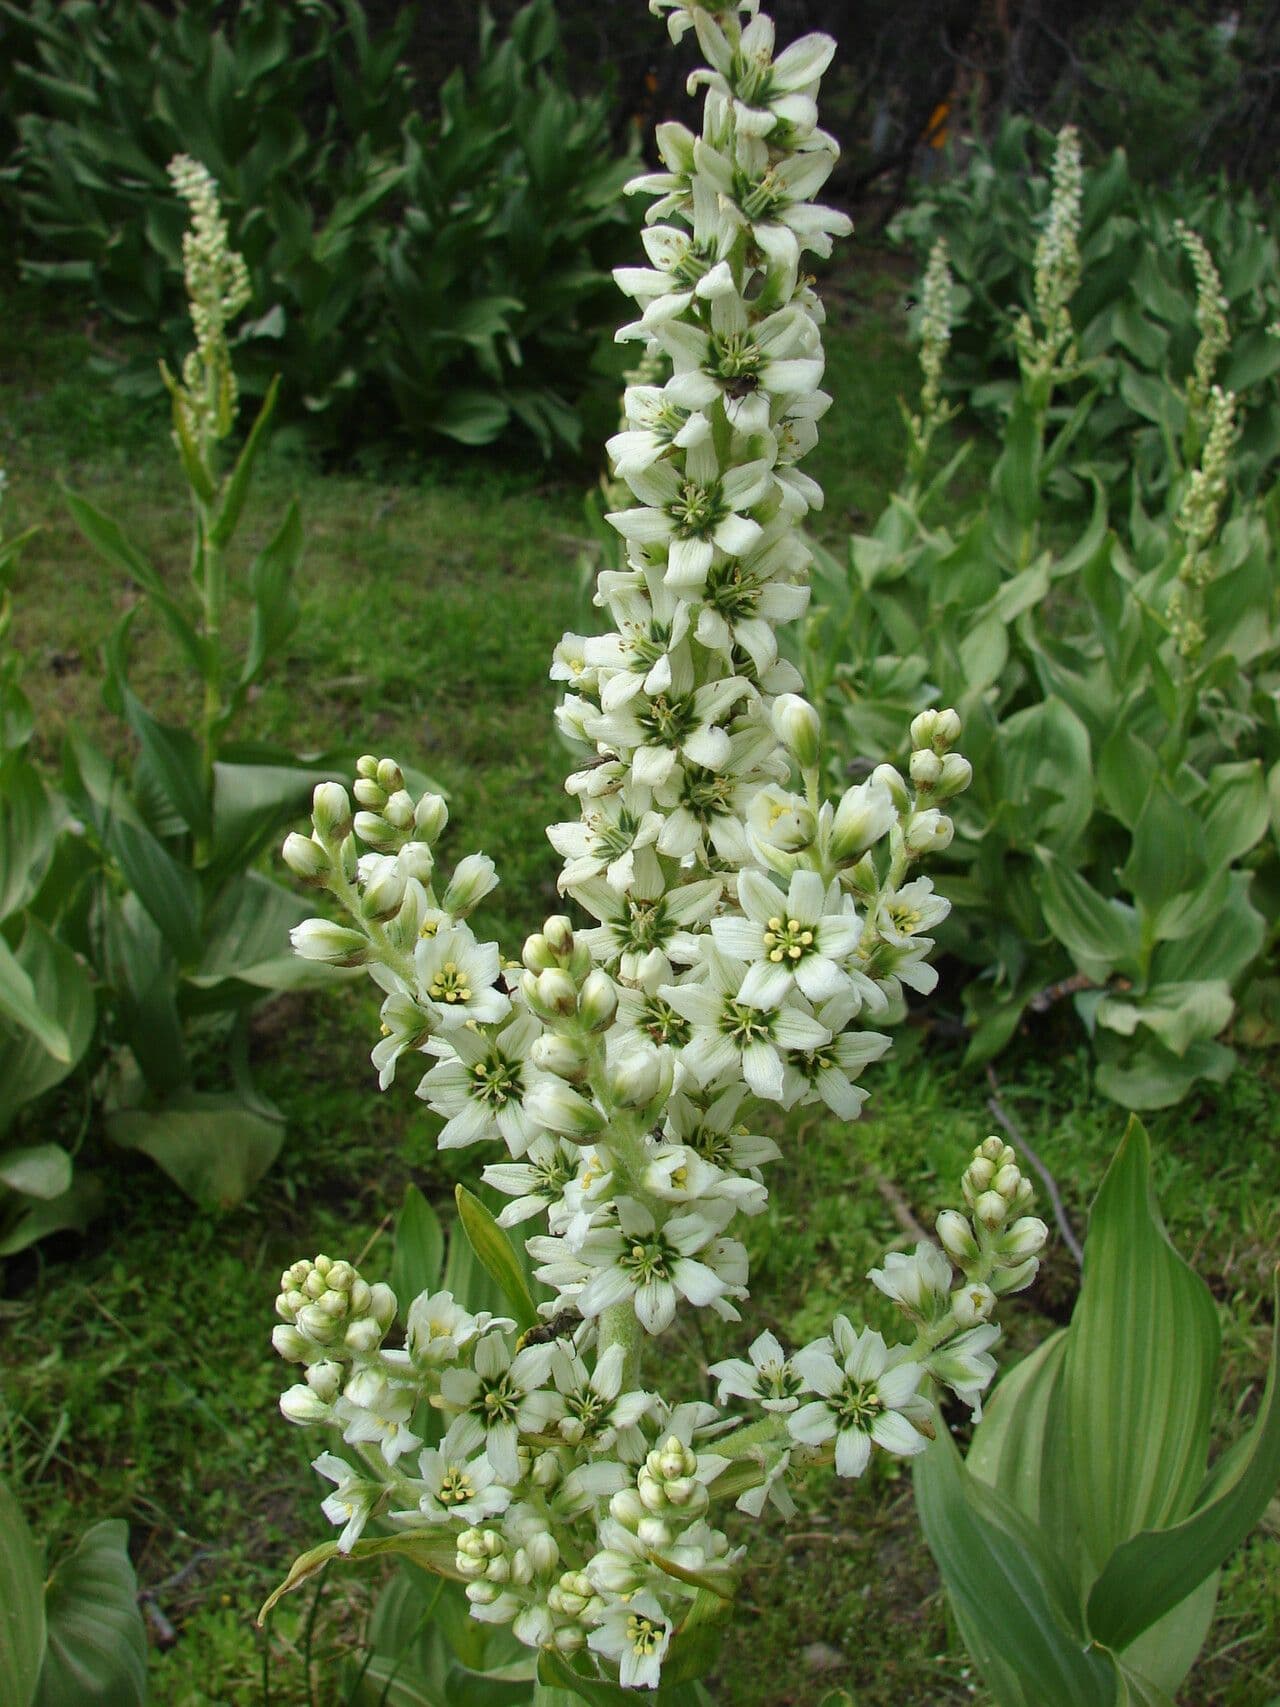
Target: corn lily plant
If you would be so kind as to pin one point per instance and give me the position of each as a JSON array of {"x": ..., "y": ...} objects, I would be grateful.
[{"x": 743, "y": 936}]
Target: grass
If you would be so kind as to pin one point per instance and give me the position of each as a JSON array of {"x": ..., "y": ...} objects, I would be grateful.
[{"x": 137, "y": 1377}]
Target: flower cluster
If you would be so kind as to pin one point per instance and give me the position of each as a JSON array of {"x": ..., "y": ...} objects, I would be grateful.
[
  {"x": 744, "y": 937},
  {"x": 580, "y": 1508},
  {"x": 1047, "y": 347},
  {"x": 217, "y": 282},
  {"x": 1211, "y": 319},
  {"x": 936, "y": 307}
]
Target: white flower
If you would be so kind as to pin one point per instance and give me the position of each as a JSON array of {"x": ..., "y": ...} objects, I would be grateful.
[
  {"x": 456, "y": 975},
  {"x": 372, "y": 1409},
  {"x": 351, "y": 1503},
  {"x": 965, "y": 1364},
  {"x": 636, "y": 1634},
  {"x": 916, "y": 1283},
  {"x": 499, "y": 1400},
  {"x": 642, "y": 933},
  {"x": 693, "y": 512},
  {"x": 437, "y": 1328},
  {"x": 596, "y": 1409},
  {"x": 538, "y": 1182},
  {"x": 479, "y": 1085},
  {"x": 862, "y": 1398},
  {"x": 746, "y": 365},
  {"x": 796, "y": 943},
  {"x": 455, "y": 1486},
  {"x": 769, "y": 1380},
  {"x": 650, "y": 1266},
  {"x": 734, "y": 1038},
  {"x": 613, "y": 838}
]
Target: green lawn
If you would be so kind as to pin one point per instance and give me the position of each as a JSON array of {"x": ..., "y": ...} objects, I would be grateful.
[{"x": 138, "y": 1380}]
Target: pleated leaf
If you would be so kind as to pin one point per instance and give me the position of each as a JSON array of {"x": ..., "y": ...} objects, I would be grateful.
[
  {"x": 1140, "y": 1367},
  {"x": 22, "y": 1629},
  {"x": 1160, "y": 1568}
]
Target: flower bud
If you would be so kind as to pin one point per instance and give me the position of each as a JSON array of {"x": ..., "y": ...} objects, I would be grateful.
[
  {"x": 554, "y": 1106},
  {"x": 300, "y": 1405},
  {"x": 325, "y": 1380},
  {"x": 381, "y": 897},
  {"x": 1025, "y": 1238},
  {"x": 367, "y": 766},
  {"x": 888, "y": 778},
  {"x": 629, "y": 1509},
  {"x": 430, "y": 816},
  {"x": 597, "y": 1000},
  {"x": 640, "y": 1073},
  {"x": 554, "y": 994},
  {"x": 307, "y": 860},
  {"x": 375, "y": 832},
  {"x": 564, "y": 1056},
  {"x": 558, "y": 934},
  {"x": 290, "y": 1344},
  {"x": 798, "y": 727},
  {"x": 331, "y": 812},
  {"x": 399, "y": 810},
  {"x": 543, "y": 1553},
  {"x": 334, "y": 945},
  {"x": 390, "y": 776},
  {"x": 991, "y": 1209},
  {"x": 972, "y": 1304},
  {"x": 416, "y": 861},
  {"x": 369, "y": 794},
  {"x": 864, "y": 814},
  {"x": 956, "y": 1237},
  {"x": 473, "y": 878},
  {"x": 926, "y": 769},
  {"x": 922, "y": 730},
  {"x": 929, "y": 831},
  {"x": 957, "y": 774}
]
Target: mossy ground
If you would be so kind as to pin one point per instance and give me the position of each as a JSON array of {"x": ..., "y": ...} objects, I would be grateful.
[{"x": 137, "y": 1377}]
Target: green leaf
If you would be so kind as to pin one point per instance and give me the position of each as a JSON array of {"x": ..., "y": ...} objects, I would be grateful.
[
  {"x": 1046, "y": 747},
  {"x": 19, "y": 1004},
  {"x": 1178, "y": 1014},
  {"x": 556, "y": 1671},
  {"x": 252, "y": 803},
  {"x": 275, "y": 605},
  {"x": 1150, "y": 1573},
  {"x": 237, "y": 488},
  {"x": 1238, "y": 810},
  {"x": 97, "y": 1648},
  {"x": 71, "y": 1211},
  {"x": 1168, "y": 854},
  {"x": 26, "y": 833},
  {"x": 1008, "y": 1592},
  {"x": 214, "y": 1145},
  {"x": 1009, "y": 1447},
  {"x": 167, "y": 890},
  {"x": 1126, "y": 772},
  {"x": 36, "y": 1170},
  {"x": 247, "y": 941},
  {"x": 142, "y": 973},
  {"x": 175, "y": 760},
  {"x": 1101, "y": 936},
  {"x": 1141, "y": 1362},
  {"x": 107, "y": 537},
  {"x": 418, "y": 1257},
  {"x": 22, "y": 1616},
  {"x": 435, "y": 1553},
  {"x": 493, "y": 1248},
  {"x": 471, "y": 417}
]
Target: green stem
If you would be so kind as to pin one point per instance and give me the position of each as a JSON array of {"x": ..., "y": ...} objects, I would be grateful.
[{"x": 619, "y": 1325}]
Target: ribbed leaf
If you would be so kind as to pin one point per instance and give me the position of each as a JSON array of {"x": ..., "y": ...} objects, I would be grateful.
[
  {"x": 97, "y": 1647},
  {"x": 22, "y": 1628},
  {"x": 492, "y": 1246},
  {"x": 1011, "y": 1598},
  {"x": 419, "y": 1249},
  {"x": 1140, "y": 1367},
  {"x": 1156, "y": 1570}
]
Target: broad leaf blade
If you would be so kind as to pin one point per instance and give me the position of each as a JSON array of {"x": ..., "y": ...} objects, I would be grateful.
[
  {"x": 493, "y": 1248},
  {"x": 22, "y": 1619},
  {"x": 1158, "y": 1569},
  {"x": 435, "y": 1553},
  {"x": 214, "y": 1146},
  {"x": 1141, "y": 1361},
  {"x": 418, "y": 1258},
  {"x": 97, "y": 1650},
  {"x": 1009, "y": 1597}
]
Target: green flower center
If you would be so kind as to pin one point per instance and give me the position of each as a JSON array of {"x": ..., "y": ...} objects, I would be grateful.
[
  {"x": 857, "y": 1404},
  {"x": 668, "y": 722},
  {"x": 745, "y": 1025},
  {"x": 707, "y": 794},
  {"x": 787, "y": 940},
  {"x": 732, "y": 593},
  {"x": 663, "y": 1023},
  {"x": 496, "y": 1081},
  {"x": 696, "y": 510}
]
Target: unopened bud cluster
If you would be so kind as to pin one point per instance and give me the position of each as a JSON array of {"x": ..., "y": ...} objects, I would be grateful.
[
  {"x": 1046, "y": 343},
  {"x": 217, "y": 282}
]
